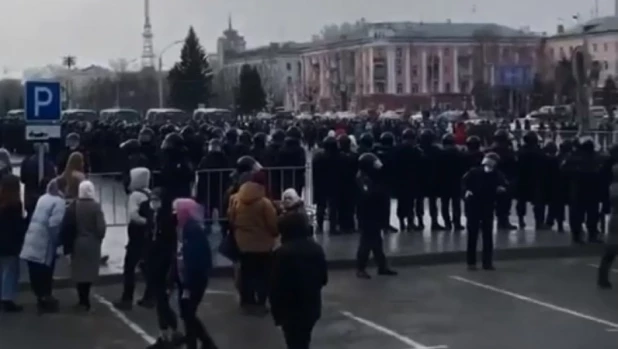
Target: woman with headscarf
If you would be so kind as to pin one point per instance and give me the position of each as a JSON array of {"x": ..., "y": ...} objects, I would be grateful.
[
  {"x": 90, "y": 229},
  {"x": 299, "y": 273},
  {"x": 72, "y": 176},
  {"x": 39, "y": 248},
  {"x": 193, "y": 266}
]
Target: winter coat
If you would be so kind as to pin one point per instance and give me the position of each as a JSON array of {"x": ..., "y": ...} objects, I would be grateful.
[
  {"x": 29, "y": 175},
  {"x": 90, "y": 231},
  {"x": 12, "y": 230},
  {"x": 194, "y": 256},
  {"x": 299, "y": 273},
  {"x": 253, "y": 218},
  {"x": 612, "y": 225},
  {"x": 42, "y": 236},
  {"x": 5, "y": 159}
]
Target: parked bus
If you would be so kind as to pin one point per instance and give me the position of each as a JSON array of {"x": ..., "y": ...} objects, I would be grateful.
[
  {"x": 159, "y": 116},
  {"x": 79, "y": 115},
  {"x": 212, "y": 114},
  {"x": 129, "y": 116}
]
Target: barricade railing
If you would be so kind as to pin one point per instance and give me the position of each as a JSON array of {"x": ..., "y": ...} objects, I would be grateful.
[
  {"x": 604, "y": 139},
  {"x": 210, "y": 188}
]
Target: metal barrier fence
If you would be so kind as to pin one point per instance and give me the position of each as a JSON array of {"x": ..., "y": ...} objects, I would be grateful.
[
  {"x": 209, "y": 188},
  {"x": 604, "y": 139}
]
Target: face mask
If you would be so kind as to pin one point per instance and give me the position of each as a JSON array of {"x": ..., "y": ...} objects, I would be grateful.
[
  {"x": 488, "y": 168},
  {"x": 377, "y": 165}
]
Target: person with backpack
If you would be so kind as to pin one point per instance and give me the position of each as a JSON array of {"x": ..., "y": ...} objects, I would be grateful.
[{"x": 141, "y": 222}]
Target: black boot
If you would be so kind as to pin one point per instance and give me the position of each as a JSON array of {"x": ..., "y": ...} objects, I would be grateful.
[{"x": 10, "y": 307}]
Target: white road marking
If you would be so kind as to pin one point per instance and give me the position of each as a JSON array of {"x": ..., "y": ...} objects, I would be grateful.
[
  {"x": 220, "y": 292},
  {"x": 405, "y": 340},
  {"x": 125, "y": 320},
  {"x": 560, "y": 309},
  {"x": 597, "y": 267}
]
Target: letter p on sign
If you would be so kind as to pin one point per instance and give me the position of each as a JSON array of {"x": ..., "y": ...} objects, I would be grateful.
[{"x": 43, "y": 97}]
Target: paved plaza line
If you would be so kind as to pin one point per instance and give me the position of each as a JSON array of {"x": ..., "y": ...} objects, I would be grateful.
[
  {"x": 406, "y": 340},
  {"x": 596, "y": 266},
  {"x": 125, "y": 320},
  {"x": 611, "y": 325}
]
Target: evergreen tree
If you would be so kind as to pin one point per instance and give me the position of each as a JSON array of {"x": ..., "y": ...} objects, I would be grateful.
[
  {"x": 190, "y": 79},
  {"x": 481, "y": 92},
  {"x": 251, "y": 97}
]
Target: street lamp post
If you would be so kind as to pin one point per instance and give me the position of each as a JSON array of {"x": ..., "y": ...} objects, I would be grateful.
[{"x": 160, "y": 70}]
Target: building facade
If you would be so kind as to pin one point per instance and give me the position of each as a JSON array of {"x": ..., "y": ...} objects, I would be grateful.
[
  {"x": 278, "y": 65},
  {"x": 602, "y": 36},
  {"x": 410, "y": 65}
]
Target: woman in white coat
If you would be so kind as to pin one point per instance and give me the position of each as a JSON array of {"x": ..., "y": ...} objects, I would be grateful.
[{"x": 39, "y": 248}]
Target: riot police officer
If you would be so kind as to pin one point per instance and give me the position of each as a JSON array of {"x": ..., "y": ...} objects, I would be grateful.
[{"x": 373, "y": 203}]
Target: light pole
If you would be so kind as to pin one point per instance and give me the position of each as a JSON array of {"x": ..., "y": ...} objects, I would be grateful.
[{"x": 160, "y": 70}]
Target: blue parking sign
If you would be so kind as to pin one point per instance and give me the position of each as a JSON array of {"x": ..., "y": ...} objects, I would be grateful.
[{"x": 43, "y": 101}]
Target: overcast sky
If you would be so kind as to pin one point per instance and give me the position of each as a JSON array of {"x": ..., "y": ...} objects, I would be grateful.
[{"x": 38, "y": 32}]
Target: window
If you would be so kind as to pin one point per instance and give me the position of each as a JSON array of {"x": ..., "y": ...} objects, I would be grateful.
[
  {"x": 288, "y": 66},
  {"x": 399, "y": 71},
  {"x": 594, "y": 47},
  {"x": 414, "y": 71},
  {"x": 447, "y": 87},
  {"x": 380, "y": 88},
  {"x": 399, "y": 88},
  {"x": 464, "y": 87},
  {"x": 605, "y": 48},
  {"x": 605, "y": 65},
  {"x": 289, "y": 81},
  {"x": 436, "y": 87},
  {"x": 399, "y": 52},
  {"x": 414, "y": 88},
  {"x": 447, "y": 51}
]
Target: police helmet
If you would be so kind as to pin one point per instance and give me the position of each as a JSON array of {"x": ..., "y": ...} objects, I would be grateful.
[
  {"x": 130, "y": 145},
  {"x": 387, "y": 139},
  {"x": 366, "y": 140},
  {"x": 448, "y": 140},
  {"x": 473, "y": 143},
  {"x": 172, "y": 141},
  {"x": 246, "y": 163}
]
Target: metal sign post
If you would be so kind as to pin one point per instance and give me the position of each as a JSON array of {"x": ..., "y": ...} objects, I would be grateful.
[{"x": 43, "y": 109}]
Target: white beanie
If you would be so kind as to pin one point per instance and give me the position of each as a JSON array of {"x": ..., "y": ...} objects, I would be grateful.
[
  {"x": 290, "y": 196},
  {"x": 331, "y": 133}
]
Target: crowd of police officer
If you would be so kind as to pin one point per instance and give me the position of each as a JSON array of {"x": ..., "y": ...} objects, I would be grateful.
[{"x": 419, "y": 167}]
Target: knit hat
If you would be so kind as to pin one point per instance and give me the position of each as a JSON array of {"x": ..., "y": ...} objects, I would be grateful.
[{"x": 290, "y": 197}]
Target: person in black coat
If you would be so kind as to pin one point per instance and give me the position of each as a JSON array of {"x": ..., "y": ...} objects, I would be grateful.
[
  {"x": 531, "y": 165},
  {"x": 372, "y": 212},
  {"x": 452, "y": 162},
  {"x": 481, "y": 186},
  {"x": 407, "y": 178},
  {"x": 299, "y": 274},
  {"x": 508, "y": 167},
  {"x": 11, "y": 240}
]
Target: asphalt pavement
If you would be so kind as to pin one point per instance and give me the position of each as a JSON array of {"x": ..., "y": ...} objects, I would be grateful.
[{"x": 526, "y": 304}]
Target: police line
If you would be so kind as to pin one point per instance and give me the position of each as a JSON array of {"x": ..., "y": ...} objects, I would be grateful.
[{"x": 210, "y": 188}]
